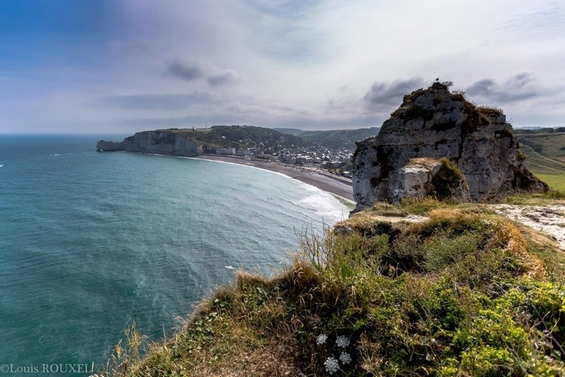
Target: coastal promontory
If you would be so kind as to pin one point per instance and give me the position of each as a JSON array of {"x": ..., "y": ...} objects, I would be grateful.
[
  {"x": 160, "y": 141},
  {"x": 439, "y": 144},
  {"x": 191, "y": 142}
]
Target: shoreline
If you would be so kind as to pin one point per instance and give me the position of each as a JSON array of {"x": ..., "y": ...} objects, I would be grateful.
[{"x": 339, "y": 186}]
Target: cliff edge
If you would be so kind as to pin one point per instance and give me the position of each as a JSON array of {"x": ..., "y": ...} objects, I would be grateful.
[
  {"x": 439, "y": 144},
  {"x": 160, "y": 141}
]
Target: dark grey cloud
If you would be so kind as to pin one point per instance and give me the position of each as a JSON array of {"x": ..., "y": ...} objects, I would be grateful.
[
  {"x": 481, "y": 88},
  {"x": 520, "y": 79},
  {"x": 188, "y": 72},
  {"x": 509, "y": 96},
  {"x": 223, "y": 78},
  {"x": 519, "y": 87},
  {"x": 382, "y": 96},
  {"x": 156, "y": 101},
  {"x": 191, "y": 72}
]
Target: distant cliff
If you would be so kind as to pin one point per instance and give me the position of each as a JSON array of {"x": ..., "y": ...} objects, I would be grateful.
[
  {"x": 160, "y": 141},
  {"x": 215, "y": 140}
]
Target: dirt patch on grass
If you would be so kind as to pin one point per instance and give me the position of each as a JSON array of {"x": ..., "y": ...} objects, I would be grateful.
[{"x": 549, "y": 219}]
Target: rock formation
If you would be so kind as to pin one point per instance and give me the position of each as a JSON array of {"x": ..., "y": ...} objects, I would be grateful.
[
  {"x": 437, "y": 143},
  {"x": 160, "y": 141}
]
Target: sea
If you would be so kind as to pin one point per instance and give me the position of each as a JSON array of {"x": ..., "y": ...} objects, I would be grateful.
[{"x": 92, "y": 242}]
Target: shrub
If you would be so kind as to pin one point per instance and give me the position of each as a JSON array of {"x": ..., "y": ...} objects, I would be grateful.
[{"x": 448, "y": 179}]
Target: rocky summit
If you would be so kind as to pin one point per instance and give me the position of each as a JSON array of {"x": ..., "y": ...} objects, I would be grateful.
[{"x": 439, "y": 144}]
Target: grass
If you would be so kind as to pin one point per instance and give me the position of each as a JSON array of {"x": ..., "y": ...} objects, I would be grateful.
[
  {"x": 555, "y": 181},
  {"x": 545, "y": 157},
  {"x": 539, "y": 163},
  {"x": 549, "y": 145},
  {"x": 464, "y": 293},
  {"x": 538, "y": 198}
]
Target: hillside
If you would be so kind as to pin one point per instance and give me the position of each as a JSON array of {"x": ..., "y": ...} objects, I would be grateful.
[
  {"x": 195, "y": 142},
  {"x": 290, "y": 131},
  {"x": 419, "y": 288},
  {"x": 335, "y": 139},
  {"x": 545, "y": 152},
  {"x": 339, "y": 139},
  {"x": 241, "y": 137}
]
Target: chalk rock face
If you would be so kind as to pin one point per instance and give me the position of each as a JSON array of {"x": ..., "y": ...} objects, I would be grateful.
[
  {"x": 432, "y": 177},
  {"x": 160, "y": 141},
  {"x": 416, "y": 177},
  {"x": 435, "y": 124}
]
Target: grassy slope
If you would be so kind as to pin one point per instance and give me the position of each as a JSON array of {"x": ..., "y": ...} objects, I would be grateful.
[
  {"x": 556, "y": 181},
  {"x": 239, "y": 137},
  {"x": 549, "y": 144},
  {"x": 339, "y": 139},
  {"x": 463, "y": 293},
  {"x": 545, "y": 157}
]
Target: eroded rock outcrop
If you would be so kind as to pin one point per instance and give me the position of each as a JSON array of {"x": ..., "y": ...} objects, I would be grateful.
[
  {"x": 404, "y": 158},
  {"x": 160, "y": 141}
]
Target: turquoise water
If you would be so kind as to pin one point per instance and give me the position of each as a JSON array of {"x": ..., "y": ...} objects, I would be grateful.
[{"x": 90, "y": 242}]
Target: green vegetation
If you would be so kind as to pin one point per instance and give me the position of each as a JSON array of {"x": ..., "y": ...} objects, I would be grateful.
[
  {"x": 241, "y": 137},
  {"x": 290, "y": 131},
  {"x": 339, "y": 139},
  {"x": 250, "y": 136},
  {"x": 555, "y": 181},
  {"x": 545, "y": 154},
  {"x": 464, "y": 293},
  {"x": 538, "y": 198},
  {"x": 447, "y": 180},
  {"x": 490, "y": 110}
]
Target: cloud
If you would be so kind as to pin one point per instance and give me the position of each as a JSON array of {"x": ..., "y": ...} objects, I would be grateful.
[
  {"x": 519, "y": 87},
  {"x": 543, "y": 22},
  {"x": 223, "y": 78},
  {"x": 211, "y": 119},
  {"x": 192, "y": 72},
  {"x": 382, "y": 96},
  {"x": 287, "y": 30},
  {"x": 481, "y": 88},
  {"x": 345, "y": 105},
  {"x": 519, "y": 80},
  {"x": 377, "y": 103},
  {"x": 188, "y": 72}
]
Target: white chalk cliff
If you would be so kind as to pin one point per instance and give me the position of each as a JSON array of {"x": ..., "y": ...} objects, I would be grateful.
[
  {"x": 160, "y": 141},
  {"x": 476, "y": 143}
]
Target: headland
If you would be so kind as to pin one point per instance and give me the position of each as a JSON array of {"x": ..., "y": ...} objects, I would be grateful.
[{"x": 239, "y": 145}]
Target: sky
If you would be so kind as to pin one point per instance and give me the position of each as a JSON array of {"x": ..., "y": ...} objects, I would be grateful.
[{"x": 101, "y": 66}]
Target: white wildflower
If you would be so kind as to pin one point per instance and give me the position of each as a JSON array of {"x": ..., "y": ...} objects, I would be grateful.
[
  {"x": 321, "y": 339},
  {"x": 342, "y": 341},
  {"x": 331, "y": 365},
  {"x": 345, "y": 358}
]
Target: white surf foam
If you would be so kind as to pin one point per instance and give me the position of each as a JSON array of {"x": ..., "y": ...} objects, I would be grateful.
[{"x": 324, "y": 205}]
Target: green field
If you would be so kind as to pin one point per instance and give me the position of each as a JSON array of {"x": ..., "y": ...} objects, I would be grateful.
[
  {"x": 556, "y": 181},
  {"x": 545, "y": 157}
]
